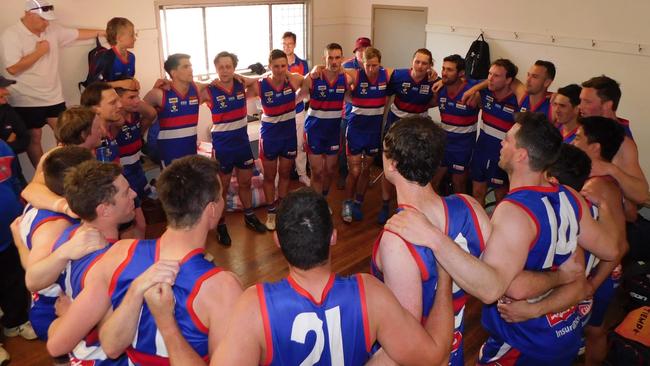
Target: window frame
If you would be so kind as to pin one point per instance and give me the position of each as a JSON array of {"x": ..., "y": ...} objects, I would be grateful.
[{"x": 161, "y": 5}]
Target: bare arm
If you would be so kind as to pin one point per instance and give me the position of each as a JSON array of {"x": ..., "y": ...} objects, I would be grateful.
[
  {"x": 117, "y": 333},
  {"x": 27, "y": 61},
  {"x": 598, "y": 236},
  {"x": 148, "y": 114},
  {"x": 626, "y": 170},
  {"x": 23, "y": 251},
  {"x": 45, "y": 266},
  {"x": 154, "y": 97},
  {"x": 512, "y": 231},
  {"x": 90, "y": 33}
]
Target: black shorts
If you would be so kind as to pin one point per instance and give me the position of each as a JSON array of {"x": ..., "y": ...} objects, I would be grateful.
[{"x": 36, "y": 117}]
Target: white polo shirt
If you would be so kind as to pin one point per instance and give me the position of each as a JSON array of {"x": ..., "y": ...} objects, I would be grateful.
[{"x": 40, "y": 85}]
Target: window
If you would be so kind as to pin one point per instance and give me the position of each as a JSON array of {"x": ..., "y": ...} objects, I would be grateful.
[{"x": 249, "y": 31}]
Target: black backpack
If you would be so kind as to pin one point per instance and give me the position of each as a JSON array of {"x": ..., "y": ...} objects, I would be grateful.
[
  {"x": 100, "y": 63},
  {"x": 477, "y": 60}
]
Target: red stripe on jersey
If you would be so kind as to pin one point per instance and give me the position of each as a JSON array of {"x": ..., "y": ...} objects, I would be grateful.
[
  {"x": 410, "y": 107},
  {"x": 268, "y": 357},
  {"x": 326, "y": 105},
  {"x": 229, "y": 116},
  {"x": 459, "y": 303},
  {"x": 131, "y": 148},
  {"x": 279, "y": 110},
  {"x": 455, "y": 120},
  {"x": 120, "y": 268},
  {"x": 424, "y": 273},
  {"x": 195, "y": 291},
  {"x": 368, "y": 102},
  {"x": 364, "y": 312},
  {"x": 180, "y": 121},
  {"x": 296, "y": 287},
  {"x": 477, "y": 224},
  {"x": 497, "y": 122}
]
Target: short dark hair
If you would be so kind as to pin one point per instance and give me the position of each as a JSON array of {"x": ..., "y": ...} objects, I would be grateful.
[
  {"x": 605, "y": 131},
  {"x": 232, "y": 56},
  {"x": 456, "y": 60},
  {"x": 57, "y": 163},
  {"x": 606, "y": 88},
  {"x": 424, "y": 51},
  {"x": 549, "y": 66},
  {"x": 173, "y": 61},
  {"x": 186, "y": 187},
  {"x": 289, "y": 34},
  {"x": 113, "y": 27},
  {"x": 540, "y": 138},
  {"x": 92, "y": 95},
  {"x": 417, "y": 146},
  {"x": 276, "y": 54},
  {"x": 74, "y": 125},
  {"x": 304, "y": 228},
  {"x": 571, "y": 91},
  {"x": 511, "y": 69},
  {"x": 370, "y": 52},
  {"x": 333, "y": 46},
  {"x": 88, "y": 185},
  {"x": 572, "y": 167}
]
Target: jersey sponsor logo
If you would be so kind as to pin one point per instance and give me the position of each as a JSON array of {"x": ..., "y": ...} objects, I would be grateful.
[
  {"x": 173, "y": 100},
  {"x": 194, "y": 101},
  {"x": 240, "y": 96},
  {"x": 221, "y": 97},
  {"x": 458, "y": 338},
  {"x": 183, "y": 102},
  {"x": 173, "y": 108},
  {"x": 556, "y": 318},
  {"x": 508, "y": 109},
  {"x": 489, "y": 98},
  {"x": 523, "y": 109},
  {"x": 584, "y": 307},
  {"x": 363, "y": 85},
  {"x": 340, "y": 90},
  {"x": 287, "y": 91},
  {"x": 405, "y": 88},
  {"x": 461, "y": 106},
  {"x": 322, "y": 87},
  {"x": 424, "y": 89},
  {"x": 230, "y": 99},
  {"x": 382, "y": 86},
  {"x": 268, "y": 94}
]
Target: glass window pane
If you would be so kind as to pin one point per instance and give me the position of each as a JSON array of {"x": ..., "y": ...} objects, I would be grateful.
[
  {"x": 290, "y": 17},
  {"x": 184, "y": 34},
  {"x": 243, "y": 30}
]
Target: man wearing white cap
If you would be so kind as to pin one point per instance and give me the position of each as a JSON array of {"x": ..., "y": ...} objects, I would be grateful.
[{"x": 30, "y": 50}]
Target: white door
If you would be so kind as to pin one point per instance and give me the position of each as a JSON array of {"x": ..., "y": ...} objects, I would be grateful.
[{"x": 397, "y": 33}]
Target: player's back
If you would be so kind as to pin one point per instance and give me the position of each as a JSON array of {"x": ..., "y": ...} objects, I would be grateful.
[{"x": 334, "y": 331}]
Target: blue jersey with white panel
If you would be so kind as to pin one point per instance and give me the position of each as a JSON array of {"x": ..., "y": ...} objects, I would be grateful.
[
  {"x": 412, "y": 97},
  {"x": 178, "y": 119}
]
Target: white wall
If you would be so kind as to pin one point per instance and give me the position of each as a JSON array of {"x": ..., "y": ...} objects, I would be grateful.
[
  {"x": 572, "y": 23},
  {"x": 617, "y": 28}
]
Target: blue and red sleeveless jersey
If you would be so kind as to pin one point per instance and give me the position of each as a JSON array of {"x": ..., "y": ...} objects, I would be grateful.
[
  {"x": 457, "y": 118},
  {"x": 463, "y": 227},
  {"x": 556, "y": 213},
  {"x": 147, "y": 348},
  {"x": 354, "y": 64},
  {"x": 568, "y": 136},
  {"x": 122, "y": 68},
  {"x": 626, "y": 126},
  {"x": 229, "y": 116},
  {"x": 108, "y": 150},
  {"x": 412, "y": 97},
  {"x": 368, "y": 102},
  {"x": 295, "y": 324},
  {"x": 178, "y": 118},
  {"x": 71, "y": 281},
  {"x": 299, "y": 66},
  {"x": 129, "y": 140},
  {"x": 498, "y": 116},
  {"x": 544, "y": 106},
  {"x": 33, "y": 218},
  {"x": 278, "y": 110},
  {"x": 326, "y": 105}
]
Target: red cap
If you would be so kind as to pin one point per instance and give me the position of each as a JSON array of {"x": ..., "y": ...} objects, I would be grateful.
[{"x": 362, "y": 42}]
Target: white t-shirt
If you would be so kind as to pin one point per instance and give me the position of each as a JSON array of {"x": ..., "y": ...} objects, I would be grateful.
[{"x": 40, "y": 85}]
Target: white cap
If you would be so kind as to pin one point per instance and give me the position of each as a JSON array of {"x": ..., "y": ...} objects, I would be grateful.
[{"x": 43, "y": 8}]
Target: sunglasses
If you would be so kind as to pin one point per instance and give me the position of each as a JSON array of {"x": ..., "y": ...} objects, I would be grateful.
[{"x": 44, "y": 9}]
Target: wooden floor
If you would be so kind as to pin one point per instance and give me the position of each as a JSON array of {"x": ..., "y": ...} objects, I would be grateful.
[{"x": 254, "y": 257}]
